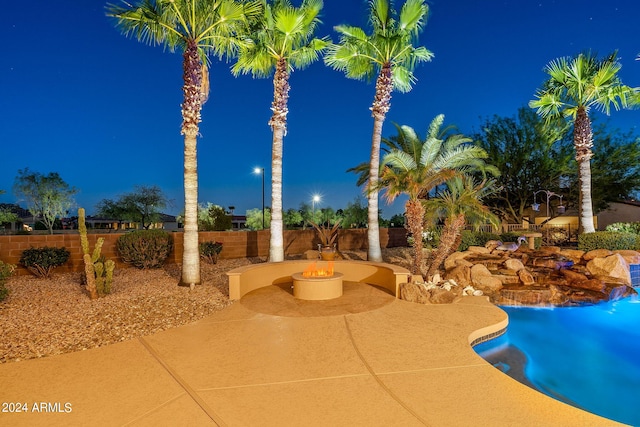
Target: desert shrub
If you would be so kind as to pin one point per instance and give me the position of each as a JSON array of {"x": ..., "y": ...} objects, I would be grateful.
[
  {"x": 145, "y": 248},
  {"x": 611, "y": 240},
  {"x": 6, "y": 270},
  {"x": 624, "y": 227},
  {"x": 210, "y": 251},
  {"x": 475, "y": 238},
  {"x": 42, "y": 261}
]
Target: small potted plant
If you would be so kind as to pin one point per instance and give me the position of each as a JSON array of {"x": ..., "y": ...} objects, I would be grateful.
[{"x": 328, "y": 235}]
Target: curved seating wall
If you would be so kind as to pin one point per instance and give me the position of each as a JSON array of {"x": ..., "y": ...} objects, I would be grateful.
[{"x": 250, "y": 277}]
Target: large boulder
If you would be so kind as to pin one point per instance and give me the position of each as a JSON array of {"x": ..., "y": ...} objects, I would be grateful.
[
  {"x": 479, "y": 270},
  {"x": 508, "y": 279},
  {"x": 574, "y": 255},
  {"x": 442, "y": 296},
  {"x": 492, "y": 244},
  {"x": 461, "y": 275},
  {"x": 419, "y": 293},
  {"x": 414, "y": 292},
  {"x": 613, "y": 265},
  {"x": 590, "y": 284},
  {"x": 488, "y": 285},
  {"x": 514, "y": 264},
  {"x": 478, "y": 250},
  {"x": 481, "y": 278},
  {"x": 452, "y": 260},
  {"x": 573, "y": 276},
  {"x": 597, "y": 253},
  {"x": 632, "y": 257},
  {"x": 526, "y": 277}
]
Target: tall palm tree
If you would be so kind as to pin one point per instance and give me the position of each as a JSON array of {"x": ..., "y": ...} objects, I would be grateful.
[
  {"x": 281, "y": 40},
  {"x": 459, "y": 205},
  {"x": 574, "y": 87},
  {"x": 415, "y": 167},
  {"x": 390, "y": 53},
  {"x": 197, "y": 28}
]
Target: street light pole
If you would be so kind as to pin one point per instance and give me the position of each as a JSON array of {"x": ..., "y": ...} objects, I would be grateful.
[
  {"x": 261, "y": 171},
  {"x": 314, "y": 199}
]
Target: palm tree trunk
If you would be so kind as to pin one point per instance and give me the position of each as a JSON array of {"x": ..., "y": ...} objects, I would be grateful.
[
  {"x": 191, "y": 107},
  {"x": 448, "y": 239},
  {"x": 374, "y": 252},
  {"x": 415, "y": 219},
  {"x": 276, "y": 242},
  {"x": 583, "y": 141},
  {"x": 379, "y": 110},
  {"x": 278, "y": 125}
]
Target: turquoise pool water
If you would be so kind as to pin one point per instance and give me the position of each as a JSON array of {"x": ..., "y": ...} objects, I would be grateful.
[{"x": 588, "y": 357}]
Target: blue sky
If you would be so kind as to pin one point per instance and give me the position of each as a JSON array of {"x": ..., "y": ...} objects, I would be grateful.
[{"x": 80, "y": 99}]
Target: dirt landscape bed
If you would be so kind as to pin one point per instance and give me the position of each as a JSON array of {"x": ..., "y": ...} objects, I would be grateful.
[{"x": 44, "y": 317}]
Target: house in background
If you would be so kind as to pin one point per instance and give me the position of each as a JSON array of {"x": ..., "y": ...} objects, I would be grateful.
[
  {"x": 620, "y": 211},
  {"x": 238, "y": 222},
  {"x": 26, "y": 221},
  {"x": 165, "y": 222}
]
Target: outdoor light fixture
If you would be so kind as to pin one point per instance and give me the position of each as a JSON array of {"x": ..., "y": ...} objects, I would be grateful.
[
  {"x": 316, "y": 198},
  {"x": 536, "y": 206},
  {"x": 261, "y": 171}
]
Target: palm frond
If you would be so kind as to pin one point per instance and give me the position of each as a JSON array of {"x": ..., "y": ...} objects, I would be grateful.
[
  {"x": 359, "y": 55},
  {"x": 281, "y": 32}
]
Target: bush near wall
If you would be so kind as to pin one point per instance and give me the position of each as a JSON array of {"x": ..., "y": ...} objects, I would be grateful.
[
  {"x": 611, "y": 240},
  {"x": 237, "y": 244}
]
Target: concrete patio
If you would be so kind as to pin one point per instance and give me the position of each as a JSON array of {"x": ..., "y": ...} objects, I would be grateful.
[{"x": 364, "y": 359}]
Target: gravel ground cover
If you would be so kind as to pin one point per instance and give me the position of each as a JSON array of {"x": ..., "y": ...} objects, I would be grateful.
[{"x": 44, "y": 317}]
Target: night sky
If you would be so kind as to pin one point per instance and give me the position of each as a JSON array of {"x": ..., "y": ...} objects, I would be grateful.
[{"x": 103, "y": 110}]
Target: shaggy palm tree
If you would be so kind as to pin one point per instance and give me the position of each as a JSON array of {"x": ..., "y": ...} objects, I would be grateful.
[
  {"x": 390, "y": 53},
  {"x": 575, "y": 86},
  {"x": 415, "y": 167},
  {"x": 280, "y": 41},
  {"x": 197, "y": 28},
  {"x": 459, "y": 205}
]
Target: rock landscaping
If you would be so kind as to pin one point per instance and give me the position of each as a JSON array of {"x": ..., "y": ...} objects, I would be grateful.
[{"x": 547, "y": 276}]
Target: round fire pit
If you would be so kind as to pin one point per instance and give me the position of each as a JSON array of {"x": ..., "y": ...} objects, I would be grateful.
[{"x": 317, "y": 288}]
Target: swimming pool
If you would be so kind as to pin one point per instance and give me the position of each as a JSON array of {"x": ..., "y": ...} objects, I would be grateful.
[{"x": 588, "y": 357}]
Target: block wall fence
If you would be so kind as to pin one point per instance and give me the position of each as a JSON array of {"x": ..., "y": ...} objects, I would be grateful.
[{"x": 236, "y": 244}]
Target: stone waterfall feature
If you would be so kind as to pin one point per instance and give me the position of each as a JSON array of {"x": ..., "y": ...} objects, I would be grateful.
[{"x": 550, "y": 276}]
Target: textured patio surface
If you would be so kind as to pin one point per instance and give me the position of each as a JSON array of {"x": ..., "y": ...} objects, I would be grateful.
[{"x": 365, "y": 359}]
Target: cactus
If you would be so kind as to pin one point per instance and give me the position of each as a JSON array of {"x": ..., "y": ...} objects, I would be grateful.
[{"x": 98, "y": 272}]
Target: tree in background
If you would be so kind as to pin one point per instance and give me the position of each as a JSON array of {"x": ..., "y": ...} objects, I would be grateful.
[
  {"x": 46, "y": 196},
  {"x": 615, "y": 171},
  {"x": 281, "y": 40},
  {"x": 254, "y": 218},
  {"x": 143, "y": 205},
  {"x": 213, "y": 218},
  {"x": 6, "y": 215},
  {"x": 529, "y": 155},
  {"x": 328, "y": 216},
  {"x": 459, "y": 205},
  {"x": 397, "y": 220},
  {"x": 308, "y": 214},
  {"x": 390, "y": 53},
  {"x": 114, "y": 209},
  {"x": 414, "y": 167},
  {"x": 198, "y": 28},
  {"x": 292, "y": 218},
  {"x": 355, "y": 214},
  {"x": 575, "y": 86}
]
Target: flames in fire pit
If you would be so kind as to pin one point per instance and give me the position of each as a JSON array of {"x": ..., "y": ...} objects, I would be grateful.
[{"x": 313, "y": 270}]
